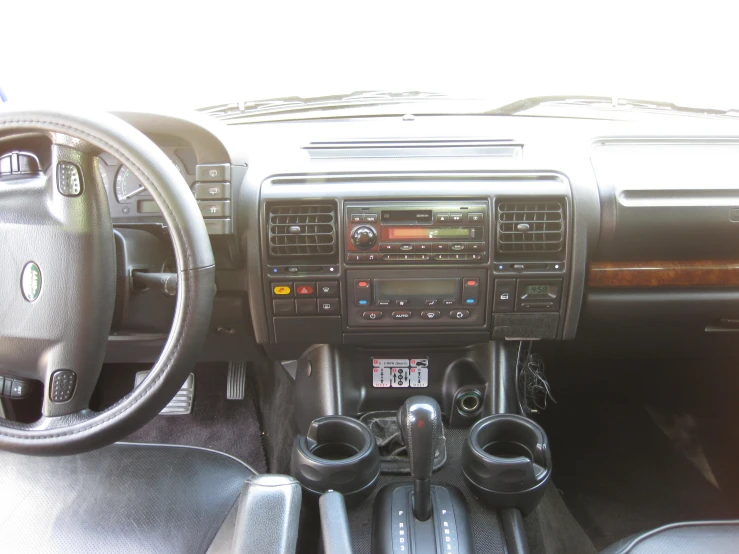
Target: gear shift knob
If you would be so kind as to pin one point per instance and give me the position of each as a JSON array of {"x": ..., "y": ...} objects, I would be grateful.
[{"x": 419, "y": 419}]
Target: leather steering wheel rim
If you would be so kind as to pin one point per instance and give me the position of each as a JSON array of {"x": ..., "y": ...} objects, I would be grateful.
[{"x": 84, "y": 429}]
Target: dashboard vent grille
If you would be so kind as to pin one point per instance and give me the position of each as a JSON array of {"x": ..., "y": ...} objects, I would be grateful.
[
  {"x": 305, "y": 230},
  {"x": 530, "y": 227}
]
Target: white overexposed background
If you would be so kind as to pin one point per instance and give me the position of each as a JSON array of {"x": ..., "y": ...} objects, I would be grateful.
[{"x": 189, "y": 54}]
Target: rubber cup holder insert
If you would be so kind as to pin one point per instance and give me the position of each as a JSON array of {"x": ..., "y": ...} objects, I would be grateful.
[
  {"x": 338, "y": 453},
  {"x": 506, "y": 461}
]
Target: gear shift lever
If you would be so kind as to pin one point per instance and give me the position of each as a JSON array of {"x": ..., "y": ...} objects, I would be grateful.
[{"x": 419, "y": 419}]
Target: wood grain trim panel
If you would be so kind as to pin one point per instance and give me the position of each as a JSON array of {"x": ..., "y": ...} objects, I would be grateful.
[{"x": 695, "y": 273}]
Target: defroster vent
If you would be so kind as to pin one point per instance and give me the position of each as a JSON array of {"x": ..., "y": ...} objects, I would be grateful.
[
  {"x": 302, "y": 230},
  {"x": 531, "y": 227}
]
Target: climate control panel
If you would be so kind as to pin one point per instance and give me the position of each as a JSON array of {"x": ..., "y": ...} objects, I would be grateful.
[{"x": 411, "y": 298}]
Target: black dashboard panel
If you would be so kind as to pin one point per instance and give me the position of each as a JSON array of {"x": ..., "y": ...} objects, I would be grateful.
[{"x": 653, "y": 189}]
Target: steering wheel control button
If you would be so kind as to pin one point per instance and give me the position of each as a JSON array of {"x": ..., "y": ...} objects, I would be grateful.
[
  {"x": 431, "y": 315},
  {"x": 505, "y": 295},
  {"x": 215, "y": 208},
  {"x": 18, "y": 164},
  {"x": 63, "y": 383},
  {"x": 213, "y": 172},
  {"x": 283, "y": 307},
  {"x": 212, "y": 191},
  {"x": 306, "y": 306},
  {"x": 459, "y": 314},
  {"x": 31, "y": 281},
  {"x": 402, "y": 315},
  {"x": 373, "y": 315},
  {"x": 68, "y": 179},
  {"x": 328, "y": 288},
  {"x": 328, "y": 306},
  {"x": 305, "y": 289}
]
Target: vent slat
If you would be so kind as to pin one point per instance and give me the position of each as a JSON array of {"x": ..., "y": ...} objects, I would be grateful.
[
  {"x": 316, "y": 236},
  {"x": 546, "y": 227}
]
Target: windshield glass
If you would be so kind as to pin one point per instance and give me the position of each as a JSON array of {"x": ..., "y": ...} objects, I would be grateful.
[{"x": 120, "y": 55}]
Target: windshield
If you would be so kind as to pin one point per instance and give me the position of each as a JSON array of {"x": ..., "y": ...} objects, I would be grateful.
[{"x": 121, "y": 55}]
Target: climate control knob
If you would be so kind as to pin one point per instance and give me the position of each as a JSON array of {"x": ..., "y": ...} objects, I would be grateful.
[{"x": 364, "y": 237}]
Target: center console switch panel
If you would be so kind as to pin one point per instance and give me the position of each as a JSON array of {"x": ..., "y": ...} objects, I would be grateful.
[{"x": 407, "y": 298}]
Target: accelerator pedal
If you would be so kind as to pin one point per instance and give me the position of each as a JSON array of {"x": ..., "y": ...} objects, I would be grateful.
[
  {"x": 236, "y": 381},
  {"x": 182, "y": 402}
]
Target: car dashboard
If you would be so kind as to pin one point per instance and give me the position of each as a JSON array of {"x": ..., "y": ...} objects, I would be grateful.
[{"x": 447, "y": 230}]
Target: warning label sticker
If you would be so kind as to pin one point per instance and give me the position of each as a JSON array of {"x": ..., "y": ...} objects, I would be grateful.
[{"x": 400, "y": 372}]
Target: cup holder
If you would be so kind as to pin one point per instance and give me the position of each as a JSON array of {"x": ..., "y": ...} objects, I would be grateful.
[
  {"x": 506, "y": 461},
  {"x": 338, "y": 453}
]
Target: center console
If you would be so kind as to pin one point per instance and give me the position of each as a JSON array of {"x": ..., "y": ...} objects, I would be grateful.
[{"x": 494, "y": 262}]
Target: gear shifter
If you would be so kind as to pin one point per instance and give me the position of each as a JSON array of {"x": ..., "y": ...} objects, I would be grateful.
[
  {"x": 419, "y": 419},
  {"x": 421, "y": 517}
]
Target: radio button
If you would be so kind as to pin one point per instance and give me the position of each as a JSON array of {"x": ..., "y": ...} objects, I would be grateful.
[
  {"x": 370, "y": 218},
  {"x": 373, "y": 315},
  {"x": 423, "y": 247},
  {"x": 430, "y": 302},
  {"x": 431, "y": 315},
  {"x": 457, "y": 247},
  {"x": 405, "y": 257},
  {"x": 459, "y": 314},
  {"x": 458, "y": 256},
  {"x": 442, "y": 218},
  {"x": 372, "y": 257},
  {"x": 441, "y": 247},
  {"x": 475, "y": 246},
  {"x": 475, "y": 217},
  {"x": 354, "y": 257},
  {"x": 401, "y": 303},
  {"x": 390, "y": 257},
  {"x": 441, "y": 257},
  {"x": 402, "y": 315},
  {"x": 406, "y": 247},
  {"x": 456, "y": 218},
  {"x": 357, "y": 218},
  {"x": 388, "y": 247},
  {"x": 475, "y": 256},
  {"x": 422, "y": 257}
]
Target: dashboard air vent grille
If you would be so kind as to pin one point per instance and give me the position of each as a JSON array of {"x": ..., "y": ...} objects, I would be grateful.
[
  {"x": 305, "y": 230},
  {"x": 530, "y": 226}
]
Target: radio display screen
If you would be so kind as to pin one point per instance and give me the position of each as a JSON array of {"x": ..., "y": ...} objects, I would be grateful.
[
  {"x": 420, "y": 233},
  {"x": 416, "y": 287}
]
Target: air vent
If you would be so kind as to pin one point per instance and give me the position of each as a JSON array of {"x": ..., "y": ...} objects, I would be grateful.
[
  {"x": 305, "y": 230},
  {"x": 530, "y": 227}
]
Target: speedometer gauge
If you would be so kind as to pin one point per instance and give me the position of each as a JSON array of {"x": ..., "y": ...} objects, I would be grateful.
[{"x": 127, "y": 185}]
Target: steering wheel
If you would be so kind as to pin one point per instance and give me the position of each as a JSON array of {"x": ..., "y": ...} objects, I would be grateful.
[{"x": 57, "y": 280}]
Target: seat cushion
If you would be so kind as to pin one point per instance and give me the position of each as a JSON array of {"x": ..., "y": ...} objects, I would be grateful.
[
  {"x": 122, "y": 498},
  {"x": 714, "y": 537}
]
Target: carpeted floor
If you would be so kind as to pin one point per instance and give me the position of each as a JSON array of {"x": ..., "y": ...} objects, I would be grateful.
[
  {"x": 230, "y": 426},
  {"x": 632, "y": 451}
]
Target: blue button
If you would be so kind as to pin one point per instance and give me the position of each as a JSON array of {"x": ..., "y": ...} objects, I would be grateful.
[
  {"x": 469, "y": 301},
  {"x": 362, "y": 302}
]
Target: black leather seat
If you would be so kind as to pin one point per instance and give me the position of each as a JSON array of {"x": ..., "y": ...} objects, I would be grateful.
[
  {"x": 705, "y": 537},
  {"x": 142, "y": 498}
]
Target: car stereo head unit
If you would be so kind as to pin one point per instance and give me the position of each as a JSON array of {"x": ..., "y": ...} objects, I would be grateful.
[{"x": 417, "y": 232}]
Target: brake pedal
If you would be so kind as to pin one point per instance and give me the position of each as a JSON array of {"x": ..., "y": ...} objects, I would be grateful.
[
  {"x": 182, "y": 402},
  {"x": 236, "y": 381}
]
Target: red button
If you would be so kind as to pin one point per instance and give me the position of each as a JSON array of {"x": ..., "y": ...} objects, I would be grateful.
[
  {"x": 305, "y": 289},
  {"x": 472, "y": 283},
  {"x": 363, "y": 284}
]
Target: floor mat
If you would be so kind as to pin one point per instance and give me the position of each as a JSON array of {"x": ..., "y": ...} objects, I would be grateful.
[
  {"x": 620, "y": 473},
  {"x": 230, "y": 426}
]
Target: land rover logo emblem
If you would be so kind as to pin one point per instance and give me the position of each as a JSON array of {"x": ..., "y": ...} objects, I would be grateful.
[{"x": 31, "y": 281}]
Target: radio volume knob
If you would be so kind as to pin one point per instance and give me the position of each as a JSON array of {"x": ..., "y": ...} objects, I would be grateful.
[{"x": 364, "y": 237}]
